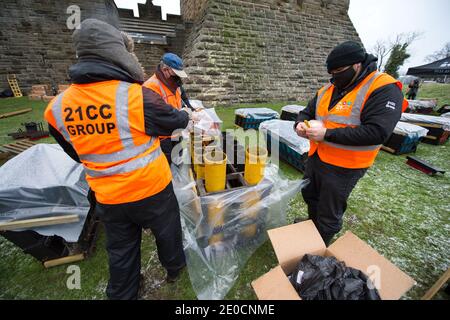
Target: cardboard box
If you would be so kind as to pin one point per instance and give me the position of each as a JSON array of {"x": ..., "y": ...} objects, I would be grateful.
[{"x": 292, "y": 242}]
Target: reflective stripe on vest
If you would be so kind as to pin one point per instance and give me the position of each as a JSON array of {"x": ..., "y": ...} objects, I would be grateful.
[
  {"x": 165, "y": 97},
  {"x": 130, "y": 150},
  {"x": 126, "y": 167},
  {"x": 352, "y": 148},
  {"x": 163, "y": 92},
  {"x": 355, "y": 117}
]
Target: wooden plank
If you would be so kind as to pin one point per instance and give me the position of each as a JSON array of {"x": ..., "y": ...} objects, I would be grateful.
[
  {"x": 23, "y": 146},
  {"x": 16, "y": 147},
  {"x": 60, "y": 261},
  {"x": 387, "y": 149},
  {"x": 15, "y": 113},
  {"x": 431, "y": 137},
  {"x": 40, "y": 222},
  {"x": 26, "y": 143},
  {"x": 12, "y": 149},
  {"x": 437, "y": 286},
  {"x": 430, "y": 125}
]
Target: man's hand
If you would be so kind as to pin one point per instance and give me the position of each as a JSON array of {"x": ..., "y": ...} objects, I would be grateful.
[
  {"x": 301, "y": 130},
  {"x": 316, "y": 133}
]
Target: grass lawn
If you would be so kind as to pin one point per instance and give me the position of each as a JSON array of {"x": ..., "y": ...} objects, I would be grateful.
[{"x": 399, "y": 211}]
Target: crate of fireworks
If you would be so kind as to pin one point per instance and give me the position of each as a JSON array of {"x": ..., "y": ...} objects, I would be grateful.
[
  {"x": 251, "y": 118},
  {"x": 292, "y": 148},
  {"x": 424, "y": 106},
  {"x": 405, "y": 138},
  {"x": 438, "y": 127},
  {"x": 235, "y": 214},
  {"x": 290, "y": 112}
]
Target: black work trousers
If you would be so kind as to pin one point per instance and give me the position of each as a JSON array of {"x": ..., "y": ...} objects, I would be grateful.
[
  {"x": 123, "y": 225},
  {"x": 327, "y": 193}
]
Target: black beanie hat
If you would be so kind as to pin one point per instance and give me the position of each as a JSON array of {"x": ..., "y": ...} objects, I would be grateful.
[{"x": 345, "y": 54}]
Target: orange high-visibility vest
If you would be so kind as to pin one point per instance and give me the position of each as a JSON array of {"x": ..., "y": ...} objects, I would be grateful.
[
  {"x": 347, "y": 114},
  {"x": 161, "y": 89},
  {"x": 104, "y": 122}
]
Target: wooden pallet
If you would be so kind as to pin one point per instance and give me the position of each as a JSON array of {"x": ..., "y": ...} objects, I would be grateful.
[
  {"x": 13, "y": 149},
  {"x": 14, "y": 85}
]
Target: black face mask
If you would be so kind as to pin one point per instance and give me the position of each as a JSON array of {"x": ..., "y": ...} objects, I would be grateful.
[
  {"x": 342, "y": 79},
  {"x": 177, "y": 80}
]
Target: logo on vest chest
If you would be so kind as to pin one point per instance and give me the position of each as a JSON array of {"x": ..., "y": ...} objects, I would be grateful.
[{"x": 344, "y": 106}]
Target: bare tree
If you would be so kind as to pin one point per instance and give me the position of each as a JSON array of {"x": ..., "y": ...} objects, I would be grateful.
[
  {"x": 383, "y": 47},
  {"x": 381, "y": 51},
  {"x": 440, "y": 54}
]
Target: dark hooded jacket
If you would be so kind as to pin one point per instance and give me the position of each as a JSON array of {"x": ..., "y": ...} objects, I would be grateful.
[
  {"x": 160, "y": 118},
  {"x": 377, "y": 121}
]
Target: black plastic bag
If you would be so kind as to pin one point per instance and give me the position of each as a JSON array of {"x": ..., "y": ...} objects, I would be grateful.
[{"x": 326, "y": 278}]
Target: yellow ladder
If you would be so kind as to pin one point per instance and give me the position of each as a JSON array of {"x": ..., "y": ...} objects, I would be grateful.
[{"x": 14, "y": 85}]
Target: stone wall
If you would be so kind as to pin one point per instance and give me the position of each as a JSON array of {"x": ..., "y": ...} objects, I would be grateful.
[
  {"x": 192, "y": 10},
  {"x": 36, "y": 45},
  {"x": 258, "y": 51}
]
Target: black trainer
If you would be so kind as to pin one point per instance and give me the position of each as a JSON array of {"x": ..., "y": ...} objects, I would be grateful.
[
  {"x": 173, "y": 276},
  {"x": 298, "y": 220}
]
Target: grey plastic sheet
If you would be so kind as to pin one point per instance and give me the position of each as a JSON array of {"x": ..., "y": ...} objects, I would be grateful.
[
  {"x": 257, "y": 113},
  {"x": 419, "y": 118},
  {"x": 422, "y": 104},
  {"x": 221, "y": 231},
  {"x": 293, "y": 108},
  {"x": 44, "y": 181},
  {"x": 410, "y": 130},
  {"x": 284, "y": 132}
]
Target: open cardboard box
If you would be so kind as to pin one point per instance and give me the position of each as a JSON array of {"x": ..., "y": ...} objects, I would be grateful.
[{"x": 292, "y": 242}]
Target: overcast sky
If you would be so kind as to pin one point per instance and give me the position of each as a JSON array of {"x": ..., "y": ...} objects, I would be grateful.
[{"x": 382, "y": 19}]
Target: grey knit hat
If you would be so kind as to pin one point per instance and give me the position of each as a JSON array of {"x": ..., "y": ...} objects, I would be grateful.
[{"x": 100, "y": 39}]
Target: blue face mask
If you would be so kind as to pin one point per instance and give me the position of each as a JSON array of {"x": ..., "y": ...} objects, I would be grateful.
[{"x": 343, "y": 79}]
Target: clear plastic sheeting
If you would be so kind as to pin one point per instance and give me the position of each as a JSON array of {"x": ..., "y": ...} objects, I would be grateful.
[
  {"x": 44, "y": 181},
  {"x": 284, "y": 132},
  {"x": 257, "y": 113},
  {"x": 422, "y": 104},
  {"x": 293, "y": 108},
  {"x": 196, "y": 104},
  {"x": 418, "y": 118},
  {"x": 207, "y": 121},
  {"x": 221, "y": 231},
  {"x": 410, "y": 130},
  {"x": 446, "y": 115}
]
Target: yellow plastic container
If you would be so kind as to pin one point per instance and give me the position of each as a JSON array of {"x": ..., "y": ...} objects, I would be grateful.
[
  {"x": 255, "y": 164},
  {"x": 215, "y": 170},
  {"x": 215, "y": 221}
]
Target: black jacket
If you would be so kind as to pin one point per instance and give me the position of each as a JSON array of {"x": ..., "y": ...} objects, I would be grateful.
[
  {"x": 377, "y": 120},
  {"x": 160, "y": 118}
]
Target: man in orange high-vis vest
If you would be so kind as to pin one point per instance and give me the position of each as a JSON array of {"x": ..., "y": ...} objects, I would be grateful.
[
  {"x": 167, "y": 83},
  {"x": 108, "y": 122},
  {"x": 352, "y": 117}
]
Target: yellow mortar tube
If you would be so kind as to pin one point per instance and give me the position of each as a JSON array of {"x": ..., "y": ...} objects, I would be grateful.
[
  {"x": 215, "y": 221},
  {"x": 250, "y": 209},
  {"x": 215, "y": 170},
  {"x": 255, "y": 163},
  {"x": 199, "y": 166}
]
